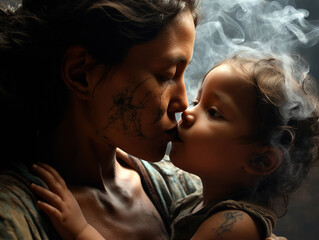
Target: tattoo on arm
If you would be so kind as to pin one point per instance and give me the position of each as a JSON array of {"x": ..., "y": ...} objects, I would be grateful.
[{"x": 230, "y": 218}]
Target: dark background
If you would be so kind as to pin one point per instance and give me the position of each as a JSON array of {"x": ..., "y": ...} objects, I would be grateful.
[
  {"x": 311, "y": 54},
  {"x": 11, "y": 3},
  {"x": 302, "y": 219}
]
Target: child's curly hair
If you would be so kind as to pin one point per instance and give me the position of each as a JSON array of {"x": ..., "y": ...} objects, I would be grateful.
[{"x": 283, "y": 123}]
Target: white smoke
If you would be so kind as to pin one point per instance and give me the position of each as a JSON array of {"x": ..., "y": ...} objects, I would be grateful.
[
  {"x": 11, "y": 5},
  {"x": 257, "y": 27}
]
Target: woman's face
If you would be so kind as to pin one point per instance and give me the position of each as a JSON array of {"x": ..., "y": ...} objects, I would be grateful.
[
  {"x": 213, "y": 132},
  {"x": 134, "y": 105}
]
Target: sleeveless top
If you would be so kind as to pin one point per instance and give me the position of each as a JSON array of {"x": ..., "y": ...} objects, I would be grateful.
[{"x": 185, "y": 223}]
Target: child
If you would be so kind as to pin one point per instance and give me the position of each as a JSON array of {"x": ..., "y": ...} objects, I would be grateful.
[{"x": 246, "y": 138}]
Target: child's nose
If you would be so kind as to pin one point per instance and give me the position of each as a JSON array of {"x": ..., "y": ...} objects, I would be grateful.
[{"x": 187, "y": 119}]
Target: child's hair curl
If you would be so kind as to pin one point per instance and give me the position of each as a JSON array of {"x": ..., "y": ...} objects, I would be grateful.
[{"x": 281, "y": 124}]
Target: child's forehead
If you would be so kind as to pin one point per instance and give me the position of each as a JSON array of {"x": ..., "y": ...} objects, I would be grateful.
[
  {"x": 225, "y": 79},
  {"x": 228, "y": 73},
  {"x": 231, "y": 94}
]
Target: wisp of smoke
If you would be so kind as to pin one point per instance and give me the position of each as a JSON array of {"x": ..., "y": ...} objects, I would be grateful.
[
  {"x": 10, "y": 4},
  {"x": 257, "y": 28},
  {"x": 253, "y": 27}
]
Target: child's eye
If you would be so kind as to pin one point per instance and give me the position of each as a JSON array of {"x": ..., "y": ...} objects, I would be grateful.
[{"x": 213, "y": 113}]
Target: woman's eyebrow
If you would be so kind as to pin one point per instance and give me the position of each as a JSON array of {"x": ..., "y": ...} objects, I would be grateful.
[
  {"x": 171, "y": 61},
  {"x": 176, "y": 60}
]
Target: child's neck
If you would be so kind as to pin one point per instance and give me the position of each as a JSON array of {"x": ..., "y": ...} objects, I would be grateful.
[{"x": 216, "y": 192}]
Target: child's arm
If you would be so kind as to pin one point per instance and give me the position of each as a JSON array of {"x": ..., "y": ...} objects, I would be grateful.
[
  {"x": 61, "y": 206},
  {"x": 228, "y": 225}
]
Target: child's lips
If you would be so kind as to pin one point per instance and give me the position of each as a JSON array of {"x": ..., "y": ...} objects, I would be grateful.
[{"x": 181, "y": 123}]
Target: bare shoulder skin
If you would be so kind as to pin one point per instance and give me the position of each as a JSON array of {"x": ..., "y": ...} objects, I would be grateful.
[
  {"x": 114, "y": 212},
  {"x": 122, "y": 210}
]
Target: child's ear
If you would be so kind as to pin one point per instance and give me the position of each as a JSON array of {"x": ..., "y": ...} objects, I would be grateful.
[
  {"x": 76, "y": 62},
  {"x": 266, "y": 162}
]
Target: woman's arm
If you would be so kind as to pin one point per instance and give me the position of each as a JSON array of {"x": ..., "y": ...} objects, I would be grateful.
[{"x": 61, "y": 206}]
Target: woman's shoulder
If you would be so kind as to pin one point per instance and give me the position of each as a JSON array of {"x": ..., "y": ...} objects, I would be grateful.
[
  {"x": 20, "y": 217},
  {"x": 163, "y": 176},
  {"x": 15, "y": 193}
]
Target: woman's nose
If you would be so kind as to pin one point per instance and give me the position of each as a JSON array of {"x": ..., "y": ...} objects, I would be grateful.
[
  {"x": 178, "y": 101},
  {"x": 187, "y": 119}
]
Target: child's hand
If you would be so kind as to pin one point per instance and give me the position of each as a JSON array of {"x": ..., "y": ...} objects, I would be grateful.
[
  {"x": 60, "y": 205},
  {"x": 274, "y": 237}
]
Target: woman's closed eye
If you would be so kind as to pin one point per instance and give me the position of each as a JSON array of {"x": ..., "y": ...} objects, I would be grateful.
[{"x": 163, "y": 78}]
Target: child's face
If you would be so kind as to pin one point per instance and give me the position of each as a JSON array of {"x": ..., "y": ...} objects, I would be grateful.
[{"x": 212, "y": 132}]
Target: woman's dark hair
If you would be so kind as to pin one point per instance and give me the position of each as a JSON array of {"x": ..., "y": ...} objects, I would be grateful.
[
  {"x": 287, "y": 119},
  {"x": 34, "y": 38}
]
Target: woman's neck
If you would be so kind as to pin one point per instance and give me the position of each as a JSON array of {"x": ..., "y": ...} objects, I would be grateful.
[{"x": 79, "y": 156}]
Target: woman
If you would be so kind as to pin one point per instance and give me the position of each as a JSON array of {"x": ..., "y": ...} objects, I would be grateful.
[
  {"x": 75, "y": 85},
  {"x": 78, "y": 79}
]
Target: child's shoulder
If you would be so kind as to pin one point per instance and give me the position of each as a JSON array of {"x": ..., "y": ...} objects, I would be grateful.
[{"x": 228, "y": 225}]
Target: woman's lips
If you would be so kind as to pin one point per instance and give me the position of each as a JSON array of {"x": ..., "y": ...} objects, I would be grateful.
[{"x": 174, "y": 134}]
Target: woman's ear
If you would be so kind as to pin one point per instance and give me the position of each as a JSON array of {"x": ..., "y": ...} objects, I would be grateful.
[
  {"x": 76, "y": 62},
  {"x": 265, "y": 162}
]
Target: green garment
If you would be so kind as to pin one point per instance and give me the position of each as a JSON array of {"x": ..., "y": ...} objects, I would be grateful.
[
  {"x": 19, "y": 216},
  {"x": 170, "y": 184},
  {"x": 21, "y": 219}
]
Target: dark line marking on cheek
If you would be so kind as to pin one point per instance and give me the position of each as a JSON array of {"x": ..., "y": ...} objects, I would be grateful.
[
  {"x": 126, "y": 114},
  {"x": 160, "y": 114}
]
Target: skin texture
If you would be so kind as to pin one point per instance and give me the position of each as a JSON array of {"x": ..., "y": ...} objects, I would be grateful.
[
  {"x": 220, "y": 116},
  {"x": 147, "y": 90},
  {"x": 213, "y": 133},
  {"x": 131, "y": 106}
]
